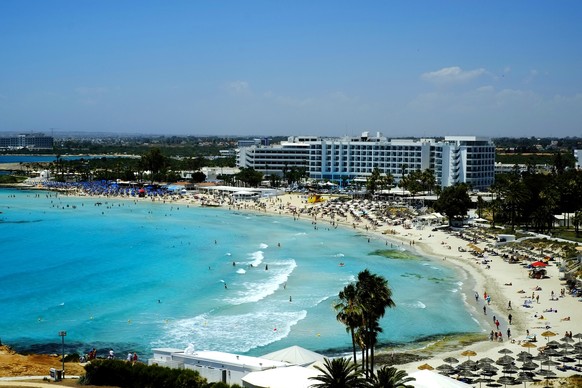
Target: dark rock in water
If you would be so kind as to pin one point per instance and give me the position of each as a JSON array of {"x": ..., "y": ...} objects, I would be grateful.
[{"x": 390, "y": 359}]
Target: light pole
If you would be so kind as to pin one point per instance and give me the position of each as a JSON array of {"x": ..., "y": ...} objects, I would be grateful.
[{"x": 62, "y": 334}]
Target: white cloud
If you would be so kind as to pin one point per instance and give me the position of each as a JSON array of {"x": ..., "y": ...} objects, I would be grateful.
[
  {"x": 238, "y": 88},
  {"x": 454, "y": 74}
]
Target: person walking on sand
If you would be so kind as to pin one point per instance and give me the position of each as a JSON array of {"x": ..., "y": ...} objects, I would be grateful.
[
  {"x": 509, "y": 318},
  {"x": 485, "y": 310},
  {"x": 497, "y": 324}
]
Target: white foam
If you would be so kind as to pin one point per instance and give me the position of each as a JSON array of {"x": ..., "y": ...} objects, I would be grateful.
[
  {"x": 241, "y": 271},
  {"x": 259, "y": 288},
  {"x": 263, "y": 246},
  {"x": 415, "y": 305},
  {"x": 339, "y": 255},
  {"x": 214, "y": 332}
]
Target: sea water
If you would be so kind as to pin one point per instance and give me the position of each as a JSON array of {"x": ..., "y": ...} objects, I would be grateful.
[{"x": 135, "y": 276}]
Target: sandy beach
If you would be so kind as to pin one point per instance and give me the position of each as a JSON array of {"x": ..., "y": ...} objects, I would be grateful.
[{"x": 536, "y": 306}]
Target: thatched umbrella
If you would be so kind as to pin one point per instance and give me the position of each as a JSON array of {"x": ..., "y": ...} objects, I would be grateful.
[
  {"x": 451, "y": 360},
  {"x": 548, "y": 334},
  {"x": 445, "y": 369},
  {"x": 524, "y": 378},
  {"x": 505, "y": 380},
  {"x": 425, "y": 367},
  {"x": 505, "y": 360},
  {"x": 468, "y": 353},
  {"x": 567, "y": 339},
  {"x": 529, "y": 345},
  {"x": 578, "y": 335},
  {"x": 529, "y": 365}
]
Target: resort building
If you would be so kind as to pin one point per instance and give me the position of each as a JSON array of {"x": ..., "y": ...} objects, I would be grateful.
[
  {"x": 31, "y": 141},
  {"x": 290, "y": 367},
  {"x": 578, "y": 157},
  {"x": 454, "y": 159}
]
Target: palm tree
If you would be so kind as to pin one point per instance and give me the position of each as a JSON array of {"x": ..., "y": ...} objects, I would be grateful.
[
  {"x": 390, "y": 377},
  {"x": 374, "y": 296},
  {"x": 338, "y": 373},
  {"x": 349, "y": 312}
]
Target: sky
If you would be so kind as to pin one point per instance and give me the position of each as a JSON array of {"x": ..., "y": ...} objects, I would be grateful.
[{"x": 281, "y": 68}]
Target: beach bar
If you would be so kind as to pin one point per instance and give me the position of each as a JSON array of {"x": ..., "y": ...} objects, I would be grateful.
[{"x": 215, "y": 366}]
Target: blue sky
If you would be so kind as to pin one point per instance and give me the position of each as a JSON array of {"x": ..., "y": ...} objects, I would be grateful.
[{"x": 403, "y": 68}]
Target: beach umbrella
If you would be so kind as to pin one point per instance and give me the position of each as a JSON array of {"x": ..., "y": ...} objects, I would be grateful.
[
  {"x": 567, "y": 340},
  {"x": 546, "y": 373},
  {"x": 538, "y": 264},
  {"x": 510, "y": 369},
  {"x": 553, "y": 344},
  {"x": 425, "y": 367},
  {"x": 529, "y": 365},
  {"x": 451, "y": 360},
  {"x": 524, "y": 356},
  {"x": 468, "y": 353},
  {"x": 529, "y": 345},
  {"x": 505, "y": 360},
  {"x": 578, "y": 335},
  {"x": 468, "y": 365},
  {"x": 505, "y": 380},
  {"x": 445, "y": 369},
  {"x": 505, "y": 351},
  {"x": 548, "y": 334},
  {"x": 524, "y": 379}
]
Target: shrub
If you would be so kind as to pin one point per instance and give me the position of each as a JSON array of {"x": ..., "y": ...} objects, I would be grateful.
[{"x": 137, "y": 375}]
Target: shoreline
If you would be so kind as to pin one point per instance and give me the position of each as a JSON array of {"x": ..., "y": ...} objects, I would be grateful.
[{"x": 445, "y": 248}]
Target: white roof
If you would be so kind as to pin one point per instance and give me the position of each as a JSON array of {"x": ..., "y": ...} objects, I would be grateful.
[
  {"x": 295, "y": 355},
  {"x": 289, "y": 377},
  {"x": 430, "y": 379}
]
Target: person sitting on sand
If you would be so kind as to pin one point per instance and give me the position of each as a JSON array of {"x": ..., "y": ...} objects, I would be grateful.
[
  {"x": 550, "y": 310},
  {"x": 565, "y": 318},
  {"x": 538, "y": 288},
  {"x": 508, "y": 284}
]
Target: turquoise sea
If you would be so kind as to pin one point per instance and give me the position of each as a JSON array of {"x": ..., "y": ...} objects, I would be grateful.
[{"x": 135, "y": 276}]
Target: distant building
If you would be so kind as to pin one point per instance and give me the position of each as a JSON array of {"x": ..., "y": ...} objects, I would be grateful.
[
  {"x": 29, "y": 141},
  {"x": 578, "y": 157},
  {"x": 456, "y": 159}
]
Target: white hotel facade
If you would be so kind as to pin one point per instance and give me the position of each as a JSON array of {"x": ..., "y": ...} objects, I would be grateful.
[{"x": 455, "y": 159}]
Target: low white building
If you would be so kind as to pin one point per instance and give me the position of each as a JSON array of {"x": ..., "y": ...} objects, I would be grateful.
[{"x": 214, "y": 366}]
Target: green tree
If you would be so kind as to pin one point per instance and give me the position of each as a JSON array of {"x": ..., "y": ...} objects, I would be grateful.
[
  {"x": 454, "y": 201},
  {"x": 349, "y": 312},
  {"x": 338, "y": 373},
  {"x": 390, "y": 377},
  {"x": 249, "y": 176},
  {"x": 374, "y": 296},
  {"x": 155, "y": 162},
  {"x": 373, "y": 181}
]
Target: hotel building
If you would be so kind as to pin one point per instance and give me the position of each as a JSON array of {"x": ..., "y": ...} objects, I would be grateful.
[{"x": 454, "y": 159}]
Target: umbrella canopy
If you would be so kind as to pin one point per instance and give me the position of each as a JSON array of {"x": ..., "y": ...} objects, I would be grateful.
[
  {"x": 548, "y": 334},
  {"x": 505, "y": 351},
  {"x": 578, "y": 335},
  {"x": 505, "y": 360},
  {"x": 451, "y": 360},
  {"x": 529, "y": 365},
  {"x": 468, "y": 353},
  {"x": 529, "y": 345},
  {"x": 539, "y": 264},
  {"x": 425, "y": 367},
  {"x": 567, "y": 339}
]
